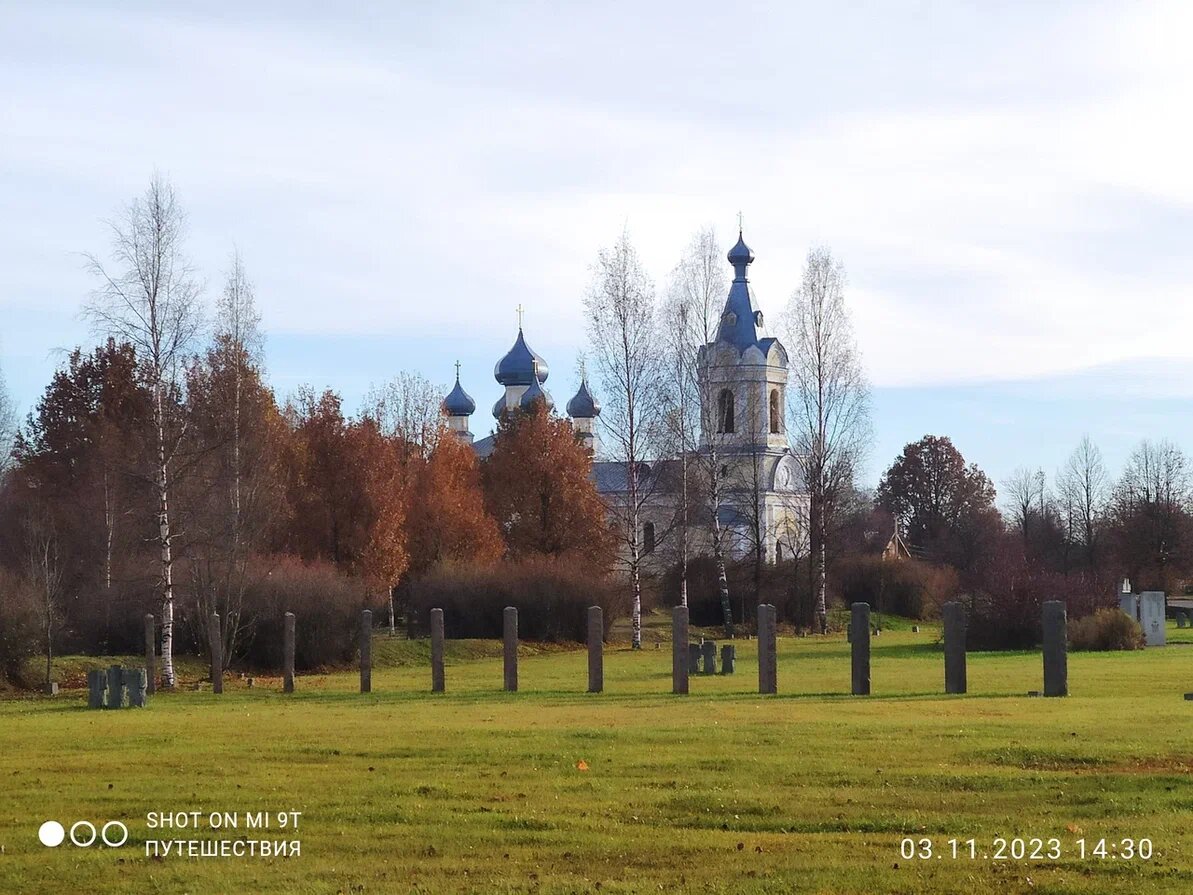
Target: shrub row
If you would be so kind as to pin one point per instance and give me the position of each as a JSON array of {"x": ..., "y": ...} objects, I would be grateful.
[{"x": 552, "y": 597}]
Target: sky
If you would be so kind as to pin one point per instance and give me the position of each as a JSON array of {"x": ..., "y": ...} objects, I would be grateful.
[{"x": 1009, "y": 186}]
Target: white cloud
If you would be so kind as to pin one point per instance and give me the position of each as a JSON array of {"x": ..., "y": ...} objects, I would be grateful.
[{"x": 1001, "y": 184}]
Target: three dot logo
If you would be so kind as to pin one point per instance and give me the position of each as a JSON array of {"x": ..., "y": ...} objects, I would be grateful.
[
  {"x": 83, "y": 834},
  {"x": 51, "y": 834}
]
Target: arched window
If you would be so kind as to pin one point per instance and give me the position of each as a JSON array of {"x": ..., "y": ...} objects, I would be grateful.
[
  {"x": 648, "y": 538},
  {"x": 778, "y": 551},
  {"x": 725, "y": 411},
  {"x": 776, "y": 415}
]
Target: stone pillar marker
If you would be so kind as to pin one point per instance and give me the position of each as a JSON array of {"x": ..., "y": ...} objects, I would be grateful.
[
  {"x": 288, "y": 645},
  {"x": 708, "y": 651},
  {"x": 150, "y": 655},
  {"x": 679, "y": 649},
  {"x": 859, "y": 642},
  {"x": 1056, "y": 649},
  {"x": 215, "y": 640},
  {"x": 510, "y": 651},
  {"x": 596, "y": 649},
  {"x": 115, "y": 698},
  {"x": 437, "y": 678},
  {"x": 768, "y": 671},
  {"x": 954, "y": 647},
  {"x": 366, "y": 651}
]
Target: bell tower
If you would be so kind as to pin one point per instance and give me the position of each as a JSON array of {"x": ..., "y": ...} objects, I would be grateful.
[{"x": 743, "y": 373}]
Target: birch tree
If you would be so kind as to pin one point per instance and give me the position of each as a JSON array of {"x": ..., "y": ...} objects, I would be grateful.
[
  {"x": 830, "y": 401},
  {"x": 627, "y": 356},
  {"x": 45, "y": 576},
  {"x": 696, "y": 293},
  {"x": 237, "y": 487},
  {"x": 240, "y": 333},
  {"x": 7, "y": 427},
  {"x": 148, "y": 296}
]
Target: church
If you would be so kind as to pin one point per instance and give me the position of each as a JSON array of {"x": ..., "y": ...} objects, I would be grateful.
[{"x": 743, "y": 444}]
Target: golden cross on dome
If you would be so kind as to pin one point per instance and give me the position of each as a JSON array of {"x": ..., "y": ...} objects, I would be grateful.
[
  {"x": 457, "y": 371},
  {"x": 739, "y": 223},
  {"x": 521, "y": 311}
]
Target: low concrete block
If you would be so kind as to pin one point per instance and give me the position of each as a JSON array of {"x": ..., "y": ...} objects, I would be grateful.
[
  {"x": 708, "y": 655},
  {"x": 115, "y": 699},
  {"x": 728, "y": 658},
  {"x": 97, "y": 689},
  {"x": 136, "y": 683},
  {"x": 1152, "y": 605}
]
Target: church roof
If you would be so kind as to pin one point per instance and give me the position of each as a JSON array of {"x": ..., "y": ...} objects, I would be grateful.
[
  {"x": 458, "y": 402},
  {"x": 518, "y": 365},
  {"x": 484, "y": 446},
  {"x": 535, "y": 392},
  {"x": 741, "y": 321},
  {"x": 583, "y": 405}
]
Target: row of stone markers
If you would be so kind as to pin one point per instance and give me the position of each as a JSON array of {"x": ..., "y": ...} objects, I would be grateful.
[
  {"x": 1056, "y": 673},
  {"x": 685, "y": 656},
  {"x": 117, "y": 688},
  {"x": 702, "y": 658}
]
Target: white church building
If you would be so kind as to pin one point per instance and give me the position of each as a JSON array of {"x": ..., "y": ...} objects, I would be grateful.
[{"x": 743, "y": 437}]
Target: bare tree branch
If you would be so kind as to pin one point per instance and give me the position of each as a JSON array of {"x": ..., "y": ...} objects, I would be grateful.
[{"x": 148, "y": 295}]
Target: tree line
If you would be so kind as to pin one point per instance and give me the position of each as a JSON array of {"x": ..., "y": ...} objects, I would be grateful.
[{"x": 159, "y": 473}]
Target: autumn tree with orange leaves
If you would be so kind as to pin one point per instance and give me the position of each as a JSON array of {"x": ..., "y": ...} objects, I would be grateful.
[
  {"x": 538, "y": 487},
  {"x": 346, "y": 489},
  {"x": 379, "y": 553},
  {"x": 447, "y": 517}
]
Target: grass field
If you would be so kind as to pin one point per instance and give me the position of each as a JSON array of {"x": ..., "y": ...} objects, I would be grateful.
[{"x": 477, "y": 790}]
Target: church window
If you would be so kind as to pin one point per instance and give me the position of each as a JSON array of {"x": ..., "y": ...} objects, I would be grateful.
[
  {"x": 648, "y": 538},
  {"x": 725, "y": 411},
  {"x": 776, "y": 416},
  {"x": 778, "y": 551}
]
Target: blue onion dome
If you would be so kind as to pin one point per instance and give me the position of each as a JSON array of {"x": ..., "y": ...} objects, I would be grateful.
[
  {"x": 458, "y": 402},
  {"x": 518, "y": 365},
  {"x": 535, "y": 392},
  {"x": 740, "y": 256},
  {"x": 583, "y": 405}
]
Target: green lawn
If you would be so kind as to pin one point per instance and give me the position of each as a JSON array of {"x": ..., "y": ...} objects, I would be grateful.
[{"x": 720, "y": 791}]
